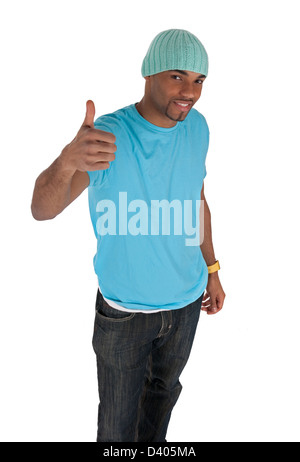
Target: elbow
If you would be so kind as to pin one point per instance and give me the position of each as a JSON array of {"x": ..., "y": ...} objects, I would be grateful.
[{"x": 38, "y": 215}]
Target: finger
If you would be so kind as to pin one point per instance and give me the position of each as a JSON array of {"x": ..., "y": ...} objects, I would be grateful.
[
  {"x": 205, "y": 302},
  {"x": 213, "y": 305},
  {"x": 101, "y": 157},
  {"x": 216, "y": 306},
  {"x": 99, "y": 135},
  {"x": 220, "y": 302},
  {"x": 205, "y": 306},
  {"x": 214, "y": 310},
  {"x": 98, "y": 147},
  {"x": 205, "y": 296},
  {"x": 99, "y": 166},
  {"x": 89, "y": 115},
  {"x": 219, "y": 305}
]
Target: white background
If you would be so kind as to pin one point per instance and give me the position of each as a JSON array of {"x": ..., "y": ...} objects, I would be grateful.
[{"x": 242, "y": 380}]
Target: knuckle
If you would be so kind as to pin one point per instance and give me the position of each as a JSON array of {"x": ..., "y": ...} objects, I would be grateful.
[
  {"x": 111, "y": 137},
  {"x": 88, "y": 149},
  {"x": 104, "y": 166},
  {"x": 87, "y": 132}
]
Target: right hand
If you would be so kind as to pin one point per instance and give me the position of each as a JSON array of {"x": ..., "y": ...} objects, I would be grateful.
[{"x": 91, "y": 149}]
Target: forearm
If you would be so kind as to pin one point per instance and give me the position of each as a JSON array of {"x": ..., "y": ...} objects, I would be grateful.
[
  {"x": 215, "y": 294},
  {"x": 52, "y": 191},
  {"x": 206, "y": 246}
]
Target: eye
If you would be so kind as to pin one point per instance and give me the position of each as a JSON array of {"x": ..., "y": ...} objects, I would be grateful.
[
  {"x": 200, "y": 82},
  {"x": 176, "y": 77}
]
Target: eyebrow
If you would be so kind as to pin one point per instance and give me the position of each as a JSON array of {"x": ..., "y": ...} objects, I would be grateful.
[{"x": 201, "y": 76}]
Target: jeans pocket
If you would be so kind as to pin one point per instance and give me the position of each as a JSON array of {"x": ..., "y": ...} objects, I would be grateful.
[{"x": 106, "y": 313}]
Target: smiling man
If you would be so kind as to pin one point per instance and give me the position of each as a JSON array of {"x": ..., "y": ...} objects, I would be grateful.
[
  {"x": 144, "y": 167},
  {"x": 169, "y": 96}
]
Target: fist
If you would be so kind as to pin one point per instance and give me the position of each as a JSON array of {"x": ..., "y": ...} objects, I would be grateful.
[{"x": 91, "y": 149}]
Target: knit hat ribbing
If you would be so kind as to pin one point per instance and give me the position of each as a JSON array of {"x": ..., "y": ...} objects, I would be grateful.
[{"x": 175, "y": 49}]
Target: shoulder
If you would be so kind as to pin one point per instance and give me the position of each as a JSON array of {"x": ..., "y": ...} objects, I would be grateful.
[
  {"x": 197, "y": 118},
  {"x": 198, "y": 125},
  {"x": 113, "y": 121}
]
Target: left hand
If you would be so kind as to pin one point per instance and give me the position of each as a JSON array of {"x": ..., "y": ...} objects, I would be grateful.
[{"x": 214, "y": 295}]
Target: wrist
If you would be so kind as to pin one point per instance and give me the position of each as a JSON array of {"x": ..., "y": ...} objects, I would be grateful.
[
  {"x": 212, "y": 276},
  {"x": 214, "y": 268},
  {"x": 64, "y": 164}
]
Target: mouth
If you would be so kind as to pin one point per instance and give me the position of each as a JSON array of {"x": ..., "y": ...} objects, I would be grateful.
[{"x": 183, "y": 106}]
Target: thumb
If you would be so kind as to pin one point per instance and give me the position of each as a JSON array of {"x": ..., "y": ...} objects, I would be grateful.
[{"x": 89, "y": 115}]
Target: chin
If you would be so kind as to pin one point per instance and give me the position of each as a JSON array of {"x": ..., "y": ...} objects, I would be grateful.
[{"x": 178, "y": 118}]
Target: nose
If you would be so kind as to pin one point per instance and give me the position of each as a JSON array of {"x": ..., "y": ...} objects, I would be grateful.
[{"x": 187, "y": 90}]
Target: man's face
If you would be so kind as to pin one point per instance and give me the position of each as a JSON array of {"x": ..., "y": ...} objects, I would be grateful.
[{"x": 172, "y": 95}]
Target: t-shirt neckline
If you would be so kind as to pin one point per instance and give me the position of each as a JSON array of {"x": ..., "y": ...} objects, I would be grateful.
[{"x": 148, "y": 124}]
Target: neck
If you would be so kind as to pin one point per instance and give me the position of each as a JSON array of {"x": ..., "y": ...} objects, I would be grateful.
[{"x": 149, "y": 113}]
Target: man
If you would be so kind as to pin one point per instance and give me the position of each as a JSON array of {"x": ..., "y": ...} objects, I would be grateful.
[{"x": 144, "y": 167}]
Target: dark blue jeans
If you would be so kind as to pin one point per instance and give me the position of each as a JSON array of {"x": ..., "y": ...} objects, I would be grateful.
[{"x": 139, "y": 360}]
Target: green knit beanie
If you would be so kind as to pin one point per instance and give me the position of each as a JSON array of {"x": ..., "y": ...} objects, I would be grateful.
[{"x": 175, "y": 49}]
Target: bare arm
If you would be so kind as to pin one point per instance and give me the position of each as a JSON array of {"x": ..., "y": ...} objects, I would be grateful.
[
  {"x": 207, "y": 248},
  {"x": 55, "y": 189},
  {"x": 67, "y": 177},
  {"x": 213, "y": 300}
]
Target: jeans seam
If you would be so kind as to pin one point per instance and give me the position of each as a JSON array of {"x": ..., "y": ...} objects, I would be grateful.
[{"x": 160, "y": 333}]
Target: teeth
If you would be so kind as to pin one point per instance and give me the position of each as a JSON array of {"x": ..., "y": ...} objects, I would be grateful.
[{"x": 181, "y": 104}]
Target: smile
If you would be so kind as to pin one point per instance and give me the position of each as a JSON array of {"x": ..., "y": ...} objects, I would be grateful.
[{"x": 183, "y": 107}]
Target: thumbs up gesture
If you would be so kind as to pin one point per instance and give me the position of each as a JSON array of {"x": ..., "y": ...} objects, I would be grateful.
[{"x": 91, "y": 149}]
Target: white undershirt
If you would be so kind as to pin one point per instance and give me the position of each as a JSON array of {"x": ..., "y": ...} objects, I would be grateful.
[{"x": 121, "y": 308}]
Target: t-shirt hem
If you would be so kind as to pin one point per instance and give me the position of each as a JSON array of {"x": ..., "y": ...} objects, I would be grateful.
[{"x": 118, "y": 307}]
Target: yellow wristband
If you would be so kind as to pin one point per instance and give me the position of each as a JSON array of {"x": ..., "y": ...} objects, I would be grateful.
[{"x": 213, "y": 268}]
